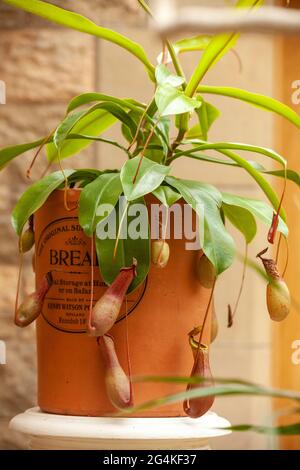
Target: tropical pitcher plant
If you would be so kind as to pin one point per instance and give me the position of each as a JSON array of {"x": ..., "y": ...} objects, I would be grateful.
[{"x": 174, "y": 124}]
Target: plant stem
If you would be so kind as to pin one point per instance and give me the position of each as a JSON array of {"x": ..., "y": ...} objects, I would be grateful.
[
  {"x": 200, "y": 70},
  {"x": 242, "y": 281},
  {"x": 140, "y": 124},
  {"x": 177, "y": 65},
  {"x": 176, "y": 62},
  {"x": 206, "y": 314},
  {"x": 143, "y": 152}
]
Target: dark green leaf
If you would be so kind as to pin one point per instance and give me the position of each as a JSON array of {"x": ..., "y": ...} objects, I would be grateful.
[
  {"x": 195, "y": 43},
  {"x": 150, "y": 176},
  {"x": 165, "y": 77},
  {"x": 261, "y": 101},
  {"x": 92, "y": 124},
  {"x": 258, "y": 208},
  {"x": 166, "y": 195},
  {"x": 128, "y": 248},
  {"x": 106, "y": 189},
  {"x": 65, "y": 127},
  {"x": 217, "y": 244},
  {"x": 171, "y": 101}
]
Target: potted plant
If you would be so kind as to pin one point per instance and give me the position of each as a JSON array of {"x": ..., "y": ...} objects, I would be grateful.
[{"x": 156, "y": 317}]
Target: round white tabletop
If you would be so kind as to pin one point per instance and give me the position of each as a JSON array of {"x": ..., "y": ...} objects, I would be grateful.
[{"x": 50, "y": 431}]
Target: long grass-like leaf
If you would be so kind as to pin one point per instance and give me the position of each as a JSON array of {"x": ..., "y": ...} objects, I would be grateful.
[{"x": 261, "y": 101}]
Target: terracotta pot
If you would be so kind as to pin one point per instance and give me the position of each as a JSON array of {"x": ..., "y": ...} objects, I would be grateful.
[{"x": 162, "y": 312}]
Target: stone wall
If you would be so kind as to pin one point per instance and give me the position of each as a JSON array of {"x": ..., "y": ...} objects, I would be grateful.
[{"x": 43, "y": 66}]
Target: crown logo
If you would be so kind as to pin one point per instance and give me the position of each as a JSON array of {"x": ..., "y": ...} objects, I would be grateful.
[{"x": 75, "y": 241}]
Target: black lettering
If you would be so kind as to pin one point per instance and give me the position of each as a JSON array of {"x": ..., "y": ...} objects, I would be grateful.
[{"x": 53, "y": 257}]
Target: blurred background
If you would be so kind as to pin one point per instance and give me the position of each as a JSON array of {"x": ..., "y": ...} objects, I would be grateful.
[{"x": 43, "y": 67}]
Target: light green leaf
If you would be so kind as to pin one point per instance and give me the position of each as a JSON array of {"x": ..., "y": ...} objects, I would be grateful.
[
  {"x": 128, "y": 248},
  {"x": 171, "y": 101},
  {"x": 287, "y": 430},
  {"x": 261, "y": 101},
  {"x": 65, "y": 127},
  {"x": 9, "y": 153},
  {"x": 217, "y": 244},
  {"x": 165, "y": 77},
  {"x": 265, "y": 186},
  {"x": 84, "y": 175},
  {"x": 166, "y": 195},
  {"x": 35, "y": 196},
  {"x": 242, "y": 219},
  {"x": 290, "y": 174},
  {"x": 150, "y": 176},
  {"x": 92, "y": 124},
  {"x": 81, "y": 122},
  {"x": 106, "y": 189},
  {"x": 86, "y": 98},
  {"x": 80, "y": 23},
  {"x": 258, "y": 208},
  {"x": 195, "y": 43},
  {"x": 225, "y": 389},
  {"x": 214, "y": 51}
]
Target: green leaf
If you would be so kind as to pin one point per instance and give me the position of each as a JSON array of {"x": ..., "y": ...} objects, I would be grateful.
[
  {"x": 86, "y": 176},
  {"x": 207, "y": 114},
  {"x": 242, "y": 219},
  {"x": 265, "y": 186},
  {"x": 86, "y": 98},
  {"x": 106, "y": 189},
  {"x": 65, "y": 127},
  {"x": 217, "y": 244},
  {"x": 80, "y": 23},
  {"x": 258, "y": 208},
  {"x": 214, "y": 51},
  {"x": 9, "y": 153},
  {"x": 150, "y": 176},
  {"x": 35, "y": 196},
  {"x": 128, "y": 248},
  {"x": 235, "y": 146},
  {"x": 166, "y": 195},
  {"x": 165, "y": 77},
  {"x": 217, "y": 47},
  {"x": 171, "y": 101},
  {"x": 262, "y": 101},
  {"x": 92, "y": 124},
  {"x": 195, "y": 43},
  {"x": 232, "y": 389},
  {"x": 161, "y": 138}
]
